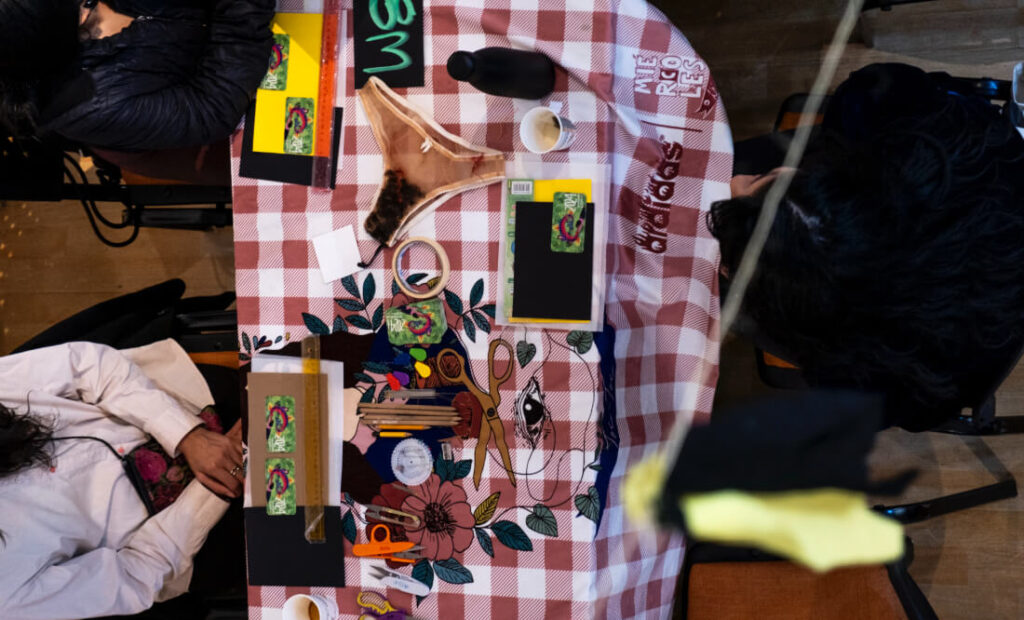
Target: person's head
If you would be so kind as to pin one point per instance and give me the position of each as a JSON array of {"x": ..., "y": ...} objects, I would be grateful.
[
  {"x": 893, "y": 265},
  {"x": 38, "y": 43},
  {"x": 24, "y": 442}
]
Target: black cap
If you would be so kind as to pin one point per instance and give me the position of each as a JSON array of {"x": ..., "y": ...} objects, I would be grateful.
[{"x": 460, "y": 65}]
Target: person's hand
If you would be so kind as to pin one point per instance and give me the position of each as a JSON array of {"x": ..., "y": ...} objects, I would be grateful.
[
  {"x": 215, "y": 459},
  {"x": 235, "y": 433}
]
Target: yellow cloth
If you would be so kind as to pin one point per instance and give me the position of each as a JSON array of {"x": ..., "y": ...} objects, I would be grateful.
[
  {"x": 821, "y": 529},
  {"x": 642, "y": 488}
]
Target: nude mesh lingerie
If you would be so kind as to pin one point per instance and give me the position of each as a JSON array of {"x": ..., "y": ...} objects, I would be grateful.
[{"x": 424, "y": 165}]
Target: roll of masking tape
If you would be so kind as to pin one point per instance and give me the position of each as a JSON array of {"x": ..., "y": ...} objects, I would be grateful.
[{"x": 400, "y": 278}]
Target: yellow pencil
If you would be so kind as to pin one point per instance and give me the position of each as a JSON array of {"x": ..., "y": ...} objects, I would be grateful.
[
  {"x": 392, "y": 435},
  {"x": 403, "y": 427}
]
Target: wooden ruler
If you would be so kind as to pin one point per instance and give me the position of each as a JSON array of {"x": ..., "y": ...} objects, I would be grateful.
[
  {"x": 330, "y": 46},
  {"x": 311, "y": 441}
]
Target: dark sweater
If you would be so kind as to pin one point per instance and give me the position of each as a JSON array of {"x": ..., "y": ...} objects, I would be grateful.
[{"x": 181, "y": 75}]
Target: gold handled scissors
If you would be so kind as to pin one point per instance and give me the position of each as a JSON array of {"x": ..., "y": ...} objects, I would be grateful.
[
  {"x": 488, "y": 402},
  {"x": 376, "y": 607}
]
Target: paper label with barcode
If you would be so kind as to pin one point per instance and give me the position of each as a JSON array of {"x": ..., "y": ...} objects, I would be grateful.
[{"x": 522, "y": 188}]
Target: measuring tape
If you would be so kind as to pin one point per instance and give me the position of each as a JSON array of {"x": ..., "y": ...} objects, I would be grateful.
[
  {"x": 330, "y": 47},
  {"x": 311, "y": 441},
  {"x": 442, "y": 260}
]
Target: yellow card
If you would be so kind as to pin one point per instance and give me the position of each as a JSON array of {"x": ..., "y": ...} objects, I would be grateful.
[
  {"x": 304, "y": 32},
  {"x": 544, "y": 189}
]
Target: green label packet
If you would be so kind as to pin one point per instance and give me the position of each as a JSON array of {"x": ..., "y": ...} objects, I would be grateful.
[
  {"x": 280, "y": 424},
  {"x": 277, "y": 73},
  {"x": 421, "y": 322},
  {"x": 519, "y": 190},
  {"x": 568, "y": 222},
  {"x": 280, "y": 487},
  {"x": 298, "y": 125}
]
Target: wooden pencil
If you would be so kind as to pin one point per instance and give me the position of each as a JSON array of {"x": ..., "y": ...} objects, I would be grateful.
[
  {"x": 405, "y": 419},
  {"x": 394, "y": 422},
  {"x": 405, "y": 406},
  {"x": 409, "y": 414}
]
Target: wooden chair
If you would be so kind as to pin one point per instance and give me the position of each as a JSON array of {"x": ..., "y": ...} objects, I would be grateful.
[{"x": 735, "y": 583}]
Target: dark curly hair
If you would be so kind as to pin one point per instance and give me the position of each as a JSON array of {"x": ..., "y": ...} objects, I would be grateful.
[
  {"x": 24, "y": 443},
  {"x": 38, "y": 44},
  {"x": 24, "y": 440},
  {"x": 896, "y": 264}
]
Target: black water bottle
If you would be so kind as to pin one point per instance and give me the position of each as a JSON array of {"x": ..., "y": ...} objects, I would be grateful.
[{"x": 505, "y": 72}]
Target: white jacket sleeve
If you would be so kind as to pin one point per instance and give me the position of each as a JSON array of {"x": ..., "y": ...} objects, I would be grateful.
[
  {"x": 125, "y": 581},
  {"x": 99, "y": 375}
]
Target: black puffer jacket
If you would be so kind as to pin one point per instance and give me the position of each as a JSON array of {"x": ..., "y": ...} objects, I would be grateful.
[{"x": 181, "y": 75}]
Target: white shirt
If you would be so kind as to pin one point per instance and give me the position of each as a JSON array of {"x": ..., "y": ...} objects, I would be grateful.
[{"x": 79, "y": 544}]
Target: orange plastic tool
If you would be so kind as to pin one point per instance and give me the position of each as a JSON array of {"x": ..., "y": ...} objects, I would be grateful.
[{"x": 381, "y": 546}]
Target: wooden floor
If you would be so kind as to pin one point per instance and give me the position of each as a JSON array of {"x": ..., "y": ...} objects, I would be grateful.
[
  {"x": 51, "y": 265},
  {"x": 971, "y": 565}
]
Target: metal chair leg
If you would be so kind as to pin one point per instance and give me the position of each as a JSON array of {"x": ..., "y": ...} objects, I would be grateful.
[{"x": 927, "y": 509}]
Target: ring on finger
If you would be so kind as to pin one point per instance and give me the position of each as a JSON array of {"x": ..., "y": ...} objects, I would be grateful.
[{"x": 234, "y": 471}]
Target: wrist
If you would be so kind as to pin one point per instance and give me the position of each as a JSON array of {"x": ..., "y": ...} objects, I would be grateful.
[{"x": 186, "y": 443}]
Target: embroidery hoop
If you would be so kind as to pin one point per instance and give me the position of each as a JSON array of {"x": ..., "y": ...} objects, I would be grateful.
[{"x": 400, "y": 278}]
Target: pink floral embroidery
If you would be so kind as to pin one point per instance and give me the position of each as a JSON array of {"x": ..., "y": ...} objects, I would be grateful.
[
  {"x": 151, "y": 465},
  {"x": 211, "y": 420},
  {"x": 174, "y": 474},
  {"x": 446, "y": 520}
]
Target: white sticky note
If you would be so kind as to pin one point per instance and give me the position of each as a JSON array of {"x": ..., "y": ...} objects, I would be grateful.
[{"x": 337, "y": 253}]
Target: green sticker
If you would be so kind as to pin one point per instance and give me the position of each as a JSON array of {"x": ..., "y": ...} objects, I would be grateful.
[
  {"x": 422, "y": 322},
  {"x": 280, "y": 487},
  {"x": 277, "y": 73},
  {"x": 568, "y": 222},
  {"x": 298, "y": 125},
  {"x": 280, "y": 424}
]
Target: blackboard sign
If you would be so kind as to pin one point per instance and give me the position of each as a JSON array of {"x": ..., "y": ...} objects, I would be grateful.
[{"x": 389, "y": 42}]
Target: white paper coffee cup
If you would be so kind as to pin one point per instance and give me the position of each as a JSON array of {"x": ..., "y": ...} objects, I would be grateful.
[
  {"x": 309, "y": 607},
  {"x": 543, "y": 131}
]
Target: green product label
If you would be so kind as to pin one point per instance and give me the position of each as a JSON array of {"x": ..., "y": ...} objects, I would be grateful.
[
  {"x": 280, "y": 424},
  {"x": 518, "y": 190},
  {"x": 421, "y": 322},
  {"x": 280, "y": 487},
  {"x": 298, "y": 127},
  {"x": 568, "y": 222},
  {"x": 277, "y": 73}
]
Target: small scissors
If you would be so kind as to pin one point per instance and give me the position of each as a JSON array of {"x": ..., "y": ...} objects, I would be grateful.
[
  {"x": 376, "y": 607},
  {"x": 381, "y": 547},
  {"x": 488, "y": 401},
  {"x": 398, "y": 581},
  {"x": 390, "y": 515}
]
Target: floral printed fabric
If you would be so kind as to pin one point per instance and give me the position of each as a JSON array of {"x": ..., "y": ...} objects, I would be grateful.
[
  {"x": 165, "y": 477},
  {"x": 446, "y": 520}
]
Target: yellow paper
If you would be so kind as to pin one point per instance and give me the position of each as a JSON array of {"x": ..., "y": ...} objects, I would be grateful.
[
  {"x": 544, "y": 191},
  {"x": 304, "y": 29}
]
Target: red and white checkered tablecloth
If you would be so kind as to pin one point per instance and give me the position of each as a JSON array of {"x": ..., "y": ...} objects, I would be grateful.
[{"x": 647, "y": 109}]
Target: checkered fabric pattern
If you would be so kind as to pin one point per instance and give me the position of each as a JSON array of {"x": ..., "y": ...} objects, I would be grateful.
[{"x": 647, "y": 109}]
